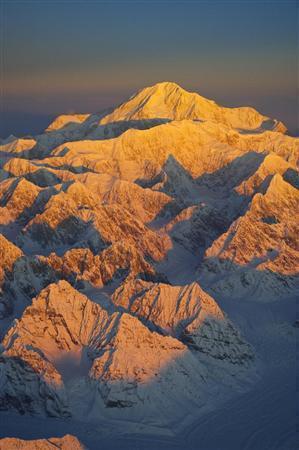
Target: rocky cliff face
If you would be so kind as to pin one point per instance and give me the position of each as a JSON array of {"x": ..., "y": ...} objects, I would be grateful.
[
  {"x": 9, "y": 254},
  {"x": 187, "y": 313}
]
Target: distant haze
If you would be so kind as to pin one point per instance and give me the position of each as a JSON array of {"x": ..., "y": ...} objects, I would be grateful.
[{"x": 73, "y": 56}]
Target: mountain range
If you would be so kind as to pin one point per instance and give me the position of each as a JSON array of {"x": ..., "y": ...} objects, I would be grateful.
[{"x": 124, "y": 236}]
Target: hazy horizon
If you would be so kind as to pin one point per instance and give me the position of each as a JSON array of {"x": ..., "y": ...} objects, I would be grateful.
[{"x": 60, "y": 57}]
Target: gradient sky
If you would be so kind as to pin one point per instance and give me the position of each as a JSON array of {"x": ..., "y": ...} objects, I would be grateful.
[{"x": 65, "y": 56}]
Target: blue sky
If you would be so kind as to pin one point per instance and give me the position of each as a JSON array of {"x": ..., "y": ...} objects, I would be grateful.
[{"x": 64, "y": 56}]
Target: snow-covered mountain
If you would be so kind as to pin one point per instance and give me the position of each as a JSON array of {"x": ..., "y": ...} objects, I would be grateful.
[
  {"x": 169, "y": 101},
  {"x": 263, "y": 242},
  {"x": 65, "y": 343},
  {"x": 122, "y": 235},
  {"x": 65, "y": 443}
]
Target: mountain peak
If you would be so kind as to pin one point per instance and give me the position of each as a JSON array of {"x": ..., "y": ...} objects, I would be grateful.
[
  {"x": 167, "y": 85},
  {"x": 168, "y": 100}
]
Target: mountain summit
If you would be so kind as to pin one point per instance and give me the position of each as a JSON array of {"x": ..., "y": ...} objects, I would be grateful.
[{"x": 168, "y": 100}]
